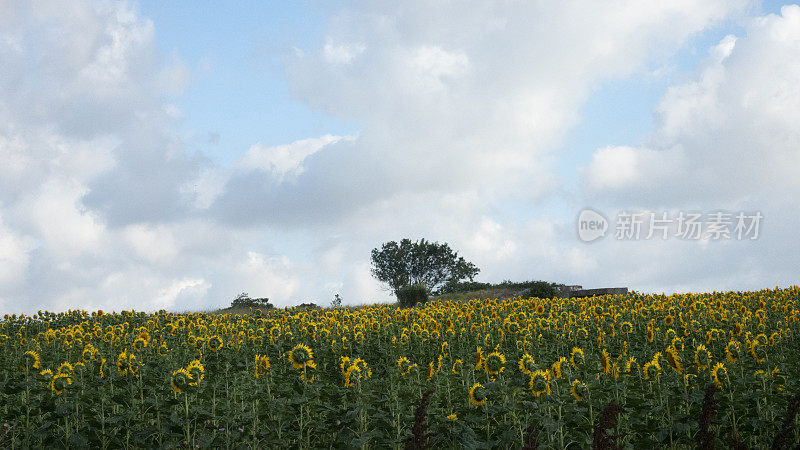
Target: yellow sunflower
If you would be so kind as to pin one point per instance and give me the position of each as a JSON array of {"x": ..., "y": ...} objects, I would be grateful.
[
  {"x": 539, "y": 383},
  {"x": 31, "y": 360},
  {"x": 494, "y": 363},
  {"x": 719, "y": 374},
  {"x": 732, "y": 351},
  {"x": 60, "y": 382},
  {"x": 576, "y": 358},
  {"x": 605, "y": 359},
  {"x": 215, "y": 343},
  {"x": 673, "y": 359},
  {"x": 181, "y": 380},
  {"x": 301, "y": 357},
  {"x": 577, "y": 390},
  {"x": 477, "y": 394},
  {"x": 527, "y": 364},
  {"x": 555, "y": 369}
]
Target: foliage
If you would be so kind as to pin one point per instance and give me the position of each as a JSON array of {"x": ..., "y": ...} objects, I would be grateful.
[
  {"x": 428, "y": 263},
  {"x": 540, "y": 289},
  {"x": 310, "y": 305},
  {"x": 243, "y": 300},
  {"x": 504, "y": 374},
  {"x": 409, "y": 296},
  {"x": 337, "y": 301}
]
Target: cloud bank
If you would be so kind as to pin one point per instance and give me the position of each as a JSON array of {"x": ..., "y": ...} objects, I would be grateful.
[{"x": 464, "y": 110}]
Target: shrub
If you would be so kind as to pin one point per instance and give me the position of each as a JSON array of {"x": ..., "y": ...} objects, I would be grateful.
[
  {"x": 463, "y": 286},
  {"x": 409, "y": 296},
  {"x": 541, "y": 289}
]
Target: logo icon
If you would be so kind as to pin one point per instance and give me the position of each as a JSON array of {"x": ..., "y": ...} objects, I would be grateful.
[{"x": 591, "y": 225}]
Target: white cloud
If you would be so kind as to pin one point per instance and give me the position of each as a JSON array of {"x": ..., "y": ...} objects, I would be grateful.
[
  {"x": 155, "y": 244},
  {"x": 14, "y": 257},
  {"x": 433, "y": 66},
  {"x": 462, "y": 107},
  {"x": 719, "y": 136},
  {"x": 725, "y": 139},
  {"x": 284, "y": 160},
  {"x": 341, "y": 53}
]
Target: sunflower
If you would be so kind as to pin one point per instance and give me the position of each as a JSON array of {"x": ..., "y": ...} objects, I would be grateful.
[
  {"x": 669, "y": 320},
  {"x": 733, "y": 351},
  {"x": 163, "y": 349},
  {"x": 576, "y": 358},
  {"x": 181, "y": 380},
  {"x": 577, "y": 390},
  {"x": 301, "y": 357},
  {"x": 351, "y": 375},
  {"x": 630, "y": 364},
  {"x": 102, "y": 367},
  {"x": 555, "y": 369},
  {"x": 719, "y": 369},
  {"x": 774, "y": 338},
  {"x": 527, "y": 364},
  {"x": 458, "y": 366},
  {"x": 60, "y": 382},
  {"x": 215, "y": 343},
  {"x": 452, "y": 417},
  {"x": 89, "y": 353},
  {"x": 31, "y": 360},
  {"x": 477, "y": 394},
  {"x": 605, "y": 359},
  {"x": 65, "y": 369},
  {"x": 403, "y": 365},
  {"x": 702, "y": 357},
  {"x": 494, "y": 363},
  {"x": 133, "y": 364},
  {"x": 344, "y": 363},
  {"x": 197, "y": 371},
  {"x": 123, "y": 364},
  {"x": 479, "y": 358},
  {"x": 139, "y": 344},
  {"x": 365, "y": 368},
  {"x": 651, "y": 370},
  {"x": 673, "y": 359},
  {"x": 756, "y": 351},
  {"x": 539, "y": 383}
]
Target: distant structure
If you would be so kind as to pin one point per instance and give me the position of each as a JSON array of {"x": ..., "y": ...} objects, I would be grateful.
[
  {"x": 576, "y": 291},
  {"x": 565, "y": 291}
]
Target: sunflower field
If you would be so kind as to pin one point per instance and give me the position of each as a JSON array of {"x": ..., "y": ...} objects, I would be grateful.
[{"x": 682, "y": 371}]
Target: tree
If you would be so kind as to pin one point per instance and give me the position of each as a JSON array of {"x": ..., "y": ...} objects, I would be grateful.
[
  {"x": 427, "y": 263},
  {"x": 243, "y": 300}
]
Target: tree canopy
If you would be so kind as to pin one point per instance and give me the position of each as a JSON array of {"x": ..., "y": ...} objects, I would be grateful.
[{"x": 423, "y": 262}]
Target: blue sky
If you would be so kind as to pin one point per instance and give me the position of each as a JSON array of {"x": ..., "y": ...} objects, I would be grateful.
[
  {"x": 237, "y": 90},
  {"x": 173, "y": 154}
]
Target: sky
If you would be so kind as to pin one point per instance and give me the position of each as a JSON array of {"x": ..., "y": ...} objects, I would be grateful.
[{"x": 171, "y": 155}]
